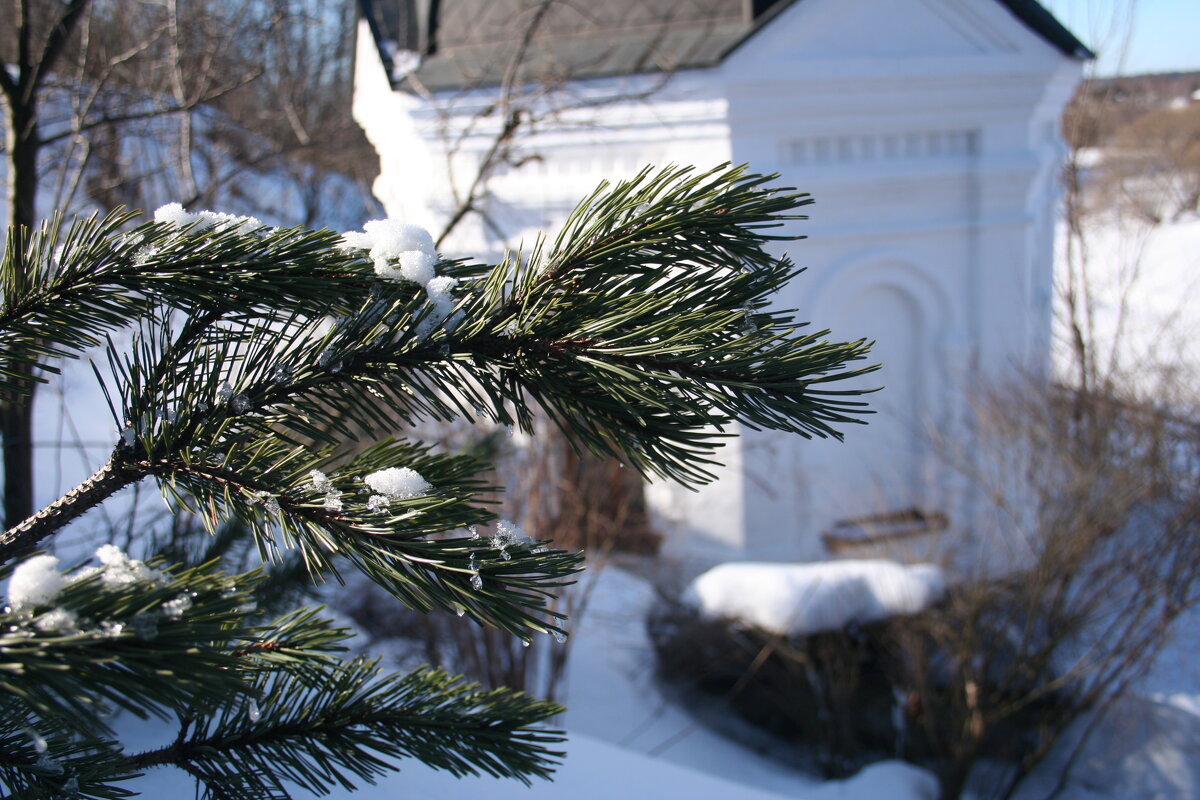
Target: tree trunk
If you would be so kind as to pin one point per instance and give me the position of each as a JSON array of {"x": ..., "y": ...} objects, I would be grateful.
[
  {"x": 17, "y": 432},
  {"x": 16, "y": 427},
  {"x": 23, "y": 147}
]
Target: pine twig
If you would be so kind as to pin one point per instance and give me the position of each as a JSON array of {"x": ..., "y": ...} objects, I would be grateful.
[{"x": 21, "y": 539}]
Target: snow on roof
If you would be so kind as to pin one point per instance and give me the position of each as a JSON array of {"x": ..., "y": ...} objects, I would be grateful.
[{"x": 802, "y": 599}]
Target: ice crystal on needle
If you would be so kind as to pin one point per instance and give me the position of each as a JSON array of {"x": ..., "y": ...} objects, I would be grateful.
[
  {"x": 121, "y": 570},
  {"x": 174, "y": 214},
  {"x": 321, "y": 481},
  {"x": 58, "y": 620}
]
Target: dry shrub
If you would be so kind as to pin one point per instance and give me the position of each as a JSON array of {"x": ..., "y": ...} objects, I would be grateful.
[
  {"x": 1085, "y": 552},
  {"x": 1153, "y": 164},
  {"x": 827, "y": 695},
  {"x": 1144, "y": 137}
]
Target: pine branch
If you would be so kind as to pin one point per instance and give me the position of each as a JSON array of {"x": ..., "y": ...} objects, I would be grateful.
[
  {"x": 644, "y": 331},
  {"x": 161, "y": 642},
  {"x": 61, "y": 292},
  {"x": 321, "y": 728},
  {"x": 21, "y": 539},
  {"x": 286, "y": 584},
  {"x": 393, "y": 546},
  {"x": 551, "y": 345},
  {"x": 44, "y": 763}
]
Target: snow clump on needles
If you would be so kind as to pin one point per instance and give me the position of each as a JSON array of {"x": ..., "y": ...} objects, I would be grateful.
[
  {"x": 35, "y": 582},
  {"x": 397, "y": 483},
  {"x": 403, "y": 252},
  {"x": 174, "y": 214},
  {"x": 400, "y": 252}
]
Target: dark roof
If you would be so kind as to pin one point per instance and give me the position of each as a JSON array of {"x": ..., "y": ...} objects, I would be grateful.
[
  {"x": 468, "y": 43},
  {"x": 1043, "y": 23}
]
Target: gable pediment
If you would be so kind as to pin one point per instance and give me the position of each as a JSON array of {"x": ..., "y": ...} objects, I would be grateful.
[{"x": 835, "y": 30}]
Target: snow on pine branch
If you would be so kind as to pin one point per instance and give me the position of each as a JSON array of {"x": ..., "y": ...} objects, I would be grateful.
[
  {"x": 36, "y": 581},
  {"x": 395, "y": 483},
  {"x": 402, "y": 252},
  {"x": 174, "y": 214}
]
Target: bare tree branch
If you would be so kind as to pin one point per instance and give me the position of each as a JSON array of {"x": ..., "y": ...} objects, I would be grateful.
[
  {"x": 7, "y": 84},
  {"x": 55, "y": 43},
  {"x": 151, "y": 113}
]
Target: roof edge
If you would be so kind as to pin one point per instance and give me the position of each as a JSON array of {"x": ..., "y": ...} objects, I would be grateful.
[
  {"x": 1038, "y": 19},
  {"x": 366, "y": 10},
  {"x": 1032, "y": 14}
]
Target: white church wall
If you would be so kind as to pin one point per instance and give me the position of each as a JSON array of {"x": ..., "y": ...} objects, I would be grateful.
[
  {"x": 593, "y": 139},
  {"x": 927, "y": 132},
  {"x": 920, "y": 128},
  {"x": 407, "y": 170}
]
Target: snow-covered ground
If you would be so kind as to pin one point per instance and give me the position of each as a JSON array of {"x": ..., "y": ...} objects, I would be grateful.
[
  {"x": 1146, "y": 284},
  {"x": 625, "y": 738},
  {"x": 628, "y": 740}
]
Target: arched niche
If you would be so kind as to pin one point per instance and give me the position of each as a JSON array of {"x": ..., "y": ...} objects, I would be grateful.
[{"x": 889, "y": 464}]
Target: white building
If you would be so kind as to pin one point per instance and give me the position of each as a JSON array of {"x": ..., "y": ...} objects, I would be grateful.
[{"x": 927, "y": 130}]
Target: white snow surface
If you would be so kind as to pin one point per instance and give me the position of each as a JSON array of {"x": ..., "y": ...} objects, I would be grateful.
[
  {"x": 35, "y": 582},
  {"x": 802, "y": 599},
  {"x": 415, "y": 266},
  {"x": 397, "y": 483},
  {"x": 439, "y": 289},
  {"x": 175, "y": 214},
  {"x": 401, "y": 252},
  {"x": 593, "y": 770},
  {"x": 1145, "y": 281}
]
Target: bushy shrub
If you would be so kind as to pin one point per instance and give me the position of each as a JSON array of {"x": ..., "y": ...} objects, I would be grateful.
[
  {"x": 858, "y": 695},
  {"x": 829, "y": 694},
  {"x": 1085, "y": 558}
]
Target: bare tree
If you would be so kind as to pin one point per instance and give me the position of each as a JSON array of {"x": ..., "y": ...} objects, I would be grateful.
[
  {"x": 113, "y": 102},
  {"x": 38, "y": 45},
  {"x": 52, "y": 47},
  {"x": 1133, "y": 168}
]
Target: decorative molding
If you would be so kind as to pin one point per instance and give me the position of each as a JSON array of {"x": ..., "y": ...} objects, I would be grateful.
[{"x": 907, "y": 146}]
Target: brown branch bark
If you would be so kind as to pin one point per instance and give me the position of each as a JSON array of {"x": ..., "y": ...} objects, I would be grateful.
[{"x": 106, "y": 481}]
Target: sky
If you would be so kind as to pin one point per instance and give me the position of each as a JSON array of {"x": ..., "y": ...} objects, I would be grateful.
[{"x": 1135, "y": 36}]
